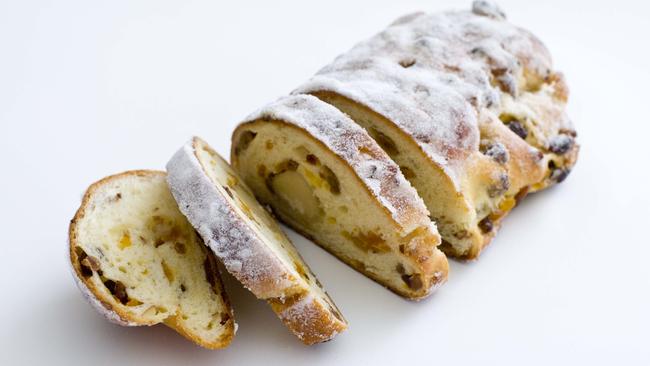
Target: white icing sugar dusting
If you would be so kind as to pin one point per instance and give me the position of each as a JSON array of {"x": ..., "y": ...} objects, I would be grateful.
[
  {"x": 229, "y": 236},
  {"x": 353, "y": 144},
  {"x": 433, "y": 74},
  {"x": 488, "y": 8}
]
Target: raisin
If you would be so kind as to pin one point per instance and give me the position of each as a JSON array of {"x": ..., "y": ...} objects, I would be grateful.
[
  {"x": 560, "y": 144},
  {"x": 210, "y": 268},
  {"x": 495, "y": 150},
  {"x": 244, "y": 141},
  {"x": 81, "y": 256},
  {"x": 331, "y": 179},
  {"x": 413, "y": 281},
  {"x": 290, "y": 165},
  {"x": 559, "y": 175},
  {"x": 407, "y": 63},
  {"x": 518, "y": 129},
  {"x": 486, "y": 225},
  {"x": 385, "y": 142},
  {"x": 312, "y": 159},
  {"x": 91, "y": 262},
  {"x": 118, "y": 290}
]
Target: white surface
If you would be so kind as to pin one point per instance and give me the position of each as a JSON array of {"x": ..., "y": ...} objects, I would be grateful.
[{"x": 90, "y": 89}]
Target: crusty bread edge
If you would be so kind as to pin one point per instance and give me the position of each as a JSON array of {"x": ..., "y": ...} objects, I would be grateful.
[
  {"x": 327, "y": 326},
  {"x": 409, "y": 295},
  {"x": 185, "y": 170},
  {"x": 102, "y": 304},
  {"x": 293, "y": 311}
]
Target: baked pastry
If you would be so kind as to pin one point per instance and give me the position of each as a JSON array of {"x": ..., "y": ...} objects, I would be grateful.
[
  {"x": 470, "y": 108},
  {"x": 139, "y": 262},
  {"x": 250, "y": 243},
  {"x": 324, "y": 176}
]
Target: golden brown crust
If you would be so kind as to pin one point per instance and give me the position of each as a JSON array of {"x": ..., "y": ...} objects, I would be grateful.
[
  {"x": 324, "y": 321},
  {"x": 112, "y": 308},
  {"x": 439, "y": 261}
]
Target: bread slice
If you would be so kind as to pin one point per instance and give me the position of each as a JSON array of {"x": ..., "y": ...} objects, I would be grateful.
[
  {"x": 138, "y": 261},
  {"x": 470, "y": 108},
  {"x": 323, "y": 175},
  {"x": 250, "y": 243}
]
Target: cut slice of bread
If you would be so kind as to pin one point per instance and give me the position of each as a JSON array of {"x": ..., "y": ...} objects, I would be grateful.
[
  {"x": 138, "y": 261},
  {"x": 326, "y": 177},
  {"x": 468, "y": 105},
  {"x": 250, "y": 243}
]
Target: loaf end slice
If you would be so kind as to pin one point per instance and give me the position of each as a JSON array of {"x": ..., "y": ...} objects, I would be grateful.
[{"x": 138, "y": 261}]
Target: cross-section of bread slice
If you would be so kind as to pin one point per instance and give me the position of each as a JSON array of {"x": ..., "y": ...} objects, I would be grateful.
[
  {"x": 470, "y": 108},
  {"x": 250, "y": 242},
  {"x": 139, "y": 262},
  {"x": 324, "y": 175}
]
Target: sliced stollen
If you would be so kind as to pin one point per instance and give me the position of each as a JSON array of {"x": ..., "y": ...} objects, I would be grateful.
[
  {"x": 324, "y": 176},
  {"x": 138, "y": 261},
  {"x": 250, "y": 242},
  {"x": 470, "y": 108}
]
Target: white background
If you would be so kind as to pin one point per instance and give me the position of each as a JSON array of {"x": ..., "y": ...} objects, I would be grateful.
[{"x": 91, "y": 88}]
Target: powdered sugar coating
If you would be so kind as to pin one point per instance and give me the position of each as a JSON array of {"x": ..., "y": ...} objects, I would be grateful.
[
  {"x": 433, "y": 75},
  {"x": 488, "y": 8},
  {"x": 352, "y": 143},
  {"x": 242, "y": 249},
  {"x": 229, "y": 236}
]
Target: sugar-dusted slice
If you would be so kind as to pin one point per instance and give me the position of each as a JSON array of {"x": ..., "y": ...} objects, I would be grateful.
[
  {"x": 250, "y": 242},
  {"x": 326, "y": 177}
]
